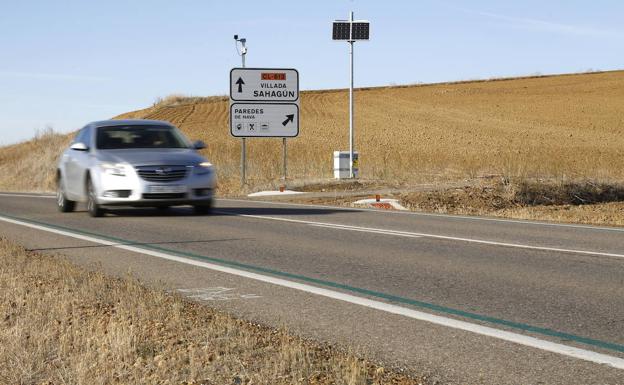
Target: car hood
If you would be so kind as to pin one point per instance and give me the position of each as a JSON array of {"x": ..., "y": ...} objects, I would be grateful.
[{"x": 152, "y": 156}]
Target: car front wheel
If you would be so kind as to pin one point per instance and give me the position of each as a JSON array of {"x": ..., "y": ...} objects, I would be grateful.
[
  {"x": 94, "y": 209},
  {"x": 64, "y": 205}
]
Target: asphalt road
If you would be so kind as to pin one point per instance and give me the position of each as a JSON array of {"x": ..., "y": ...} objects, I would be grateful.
[{"x": 460, "y": 300}]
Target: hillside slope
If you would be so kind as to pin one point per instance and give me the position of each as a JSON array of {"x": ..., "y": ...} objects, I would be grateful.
[{"x": 569, "y": 126}]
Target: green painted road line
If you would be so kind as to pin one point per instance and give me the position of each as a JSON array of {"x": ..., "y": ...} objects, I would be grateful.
[{"x": 367, "y": 292}]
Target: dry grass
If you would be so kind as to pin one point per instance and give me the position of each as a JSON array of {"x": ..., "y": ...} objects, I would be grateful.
[
  {"x": 610, "y": 214},
  {"x": 499, "y": 194},
  {"x": 61, "y": 324},
  {"x": 31, "y": 165},
  {"x": 175, "y": 100}
]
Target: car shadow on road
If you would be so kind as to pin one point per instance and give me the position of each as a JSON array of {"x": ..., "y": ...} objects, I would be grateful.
[
  {"x": 219, "y": 211},
  {"x": 269, "y": 211}
]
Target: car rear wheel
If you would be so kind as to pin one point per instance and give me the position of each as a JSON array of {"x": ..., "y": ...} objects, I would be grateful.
[
  {"x": 64, "y": 205},
  {"x": 94, "y": 209}
]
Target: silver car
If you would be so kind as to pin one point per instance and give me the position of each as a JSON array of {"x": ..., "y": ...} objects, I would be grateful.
[{"x": 134, "y": 163}]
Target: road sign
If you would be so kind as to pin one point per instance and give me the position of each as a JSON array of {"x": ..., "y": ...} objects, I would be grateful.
[
  {"x": 264, "y": 85},
  {"x": 264, "y": 120},
  {"x": 264, "y": 103}
]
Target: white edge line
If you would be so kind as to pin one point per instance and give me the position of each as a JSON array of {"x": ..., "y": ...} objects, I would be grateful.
[
  {"x": 28, "y": 196},
  {"x": 450, "y": 216},
  {"x": 570, "y": 351},
  {"x": 435, "y": 236},
  {"x": 404, "y": 212}
]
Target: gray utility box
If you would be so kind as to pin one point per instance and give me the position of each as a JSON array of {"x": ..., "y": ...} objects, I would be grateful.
[{"x": 341, "y": 164}]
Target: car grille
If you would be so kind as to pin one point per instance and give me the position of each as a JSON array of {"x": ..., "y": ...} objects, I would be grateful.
[
  {"x": 165, "y": 196},
  {"x": 162, "y": 173}
]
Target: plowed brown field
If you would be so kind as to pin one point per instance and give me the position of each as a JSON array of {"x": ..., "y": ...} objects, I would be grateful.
[
  {"x": 558, "y": 127},
  {"x": 555, "y": 127}
]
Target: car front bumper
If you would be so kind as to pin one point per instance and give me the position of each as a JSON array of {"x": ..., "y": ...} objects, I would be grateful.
[{"x": 132, "y": 190}]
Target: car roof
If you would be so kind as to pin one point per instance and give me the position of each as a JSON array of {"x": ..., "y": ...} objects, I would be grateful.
[{"x": 129, "y": 122}]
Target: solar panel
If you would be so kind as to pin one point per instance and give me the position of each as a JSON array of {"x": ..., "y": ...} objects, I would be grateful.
[
  {"x": 360, "y": 30},
  {"x": 341, "y": 30}
]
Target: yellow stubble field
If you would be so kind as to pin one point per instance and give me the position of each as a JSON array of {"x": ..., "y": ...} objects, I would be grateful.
[{"x": 562, "y": 127}]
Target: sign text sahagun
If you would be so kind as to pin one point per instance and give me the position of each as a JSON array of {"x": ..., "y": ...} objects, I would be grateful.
[
  {"x": 264, "y": 85},
  {"x": 276, "y": 94}
]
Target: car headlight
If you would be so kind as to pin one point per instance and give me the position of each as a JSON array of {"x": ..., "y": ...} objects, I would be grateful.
[
  {"x": 203, "y": 168},
  {"x": 118, "y": 169}
]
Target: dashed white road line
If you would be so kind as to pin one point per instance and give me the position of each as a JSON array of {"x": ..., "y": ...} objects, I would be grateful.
[
  {"x": 426, "y": 235},
  {"x": 366, "y": 230},
  {"x": 521, "y": 339},
  {"x": 435, "y": 215}
]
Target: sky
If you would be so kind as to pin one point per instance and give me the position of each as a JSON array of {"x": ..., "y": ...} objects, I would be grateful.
[{"x": 66, "y": 63}]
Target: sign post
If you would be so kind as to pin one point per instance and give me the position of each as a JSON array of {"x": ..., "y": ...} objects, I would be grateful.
[
  {"x": 285, "y": 158},
  {"x": 351, "y": 31},
  {"x": 264, "y": 103},
  {"x": 242, "y": 53}
]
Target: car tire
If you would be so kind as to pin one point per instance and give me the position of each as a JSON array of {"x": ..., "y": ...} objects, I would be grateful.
[
  {"x": 94, "y": 209},
  {"x": 203, "y": 209},
  {"x": 64, "y": 205}
]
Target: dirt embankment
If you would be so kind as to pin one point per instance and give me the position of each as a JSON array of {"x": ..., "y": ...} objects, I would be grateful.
[
  {"x": 577, "y": 202},
  {"x": 588, "y": 202}
]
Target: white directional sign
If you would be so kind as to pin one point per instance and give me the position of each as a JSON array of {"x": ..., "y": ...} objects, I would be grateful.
[
  {"x": 264, "y": 119},
  {"x": 264, "y": 85},
  {"x": 264, "y": 102}
]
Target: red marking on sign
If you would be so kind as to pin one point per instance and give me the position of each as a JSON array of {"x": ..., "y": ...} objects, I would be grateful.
[{"x": 273, "y": 76}]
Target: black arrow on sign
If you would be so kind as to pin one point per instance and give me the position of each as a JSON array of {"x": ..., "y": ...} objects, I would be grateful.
[
  {"x": 289, "y": 118},
  {"x": 240, "y": 83}
]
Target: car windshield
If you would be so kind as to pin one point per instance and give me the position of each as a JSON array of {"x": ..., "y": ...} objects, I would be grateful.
[{"x": 139, "y": 136}]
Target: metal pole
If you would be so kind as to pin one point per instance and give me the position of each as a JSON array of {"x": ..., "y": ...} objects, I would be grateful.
[
  {"x": 284, "y": 153},
  {"x": 244, "y": 143},
  {"x": 351, "y": 175},
  {"x": 243, "y": 161}
]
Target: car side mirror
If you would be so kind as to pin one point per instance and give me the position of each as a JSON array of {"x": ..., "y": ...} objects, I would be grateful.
[
  {"x": 79, "y": 146},
  {"x": 199, "y": 145}
]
